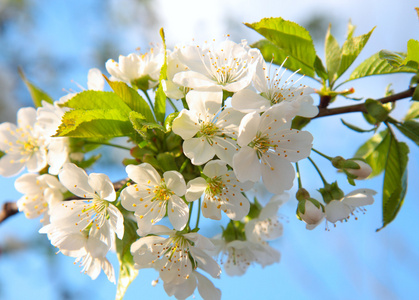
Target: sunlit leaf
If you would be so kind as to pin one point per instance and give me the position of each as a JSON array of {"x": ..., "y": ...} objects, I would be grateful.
[
  {"x": 37, "y": 94},
  {"x": 377, "y": 110},
  {"x": 95, "y": 123},
  {"x": 127, "y": 272},
  {"x": 351, "y": 49},
  {"x": 355, "y": 128},
  {"x": 160, "y": 100},
  {"x": 395, "y": 179},
  {"x": 374, "y": 151},
  {"x": 299, "y": 122},
  {"x": 131, "y": 98},
  {"x": 374, "y": 65},
  {"x": 413, "y": 112},
  {"x": 410, "y": 129},
  {"x": 333, "y": 55},
  {"x": 412, "y": 53},
  {"x": 289, "y": 37},
  {"x": 274, "y": 54},
  {"x": 141, "y": 125}
]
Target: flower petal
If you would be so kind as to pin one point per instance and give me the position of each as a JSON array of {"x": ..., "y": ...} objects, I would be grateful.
[
  {"x": 76, "y": 181},
  {"x": 143, "y": 174},
  {"x": 178, "y": 212}
]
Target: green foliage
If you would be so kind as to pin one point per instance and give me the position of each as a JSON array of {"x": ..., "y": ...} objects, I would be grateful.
[
  {"x": 410, "y": 129},
  {"x": 127, "y": 272},
  {"x": 412, "y": 57},
  {"x": 395, "y": 179},
  {"x": 355, "y": 128},
  {"x": 141, "y": 125},
  {"x": 374, "y": 151},
  {"x": 377, "y": 110},
  {"x": 132, "y": 99},
  {"x": 375, "y": 65},
  {"x": 291, "y": 39},
  {"x": 37, "y": 94},
  {"x": 299, "y": 122},
  {"x": 333, "y": 55},
  {"x": 160, "y": 100},
  {"x": 95, "y": 123},
  {"x": 413, "y": 112}
]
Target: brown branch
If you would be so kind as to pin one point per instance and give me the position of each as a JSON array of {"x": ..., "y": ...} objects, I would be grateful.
[
  {"x": 9, "y": 209},
  {"x": 324, "y": 112}
]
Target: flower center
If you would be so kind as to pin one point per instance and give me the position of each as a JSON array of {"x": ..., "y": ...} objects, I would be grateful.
[
  {"x": 261, "y": 144},
  {"x": 162, "y": 193},
  {"x": 215, "y": 186},
  {"x": 225, "y": 69}
]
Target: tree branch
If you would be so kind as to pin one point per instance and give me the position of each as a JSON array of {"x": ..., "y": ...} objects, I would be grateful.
[
  {"x": 324, "y": 112},
  {"x": 9, "y": 209}
]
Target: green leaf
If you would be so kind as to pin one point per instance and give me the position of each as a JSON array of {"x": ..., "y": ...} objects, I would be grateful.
[
  {"x": 299, "y": 122},
  {"x": 350, "y": 31},
  {"x": 95, "y": 123},
  {"x": 131, "y": 98},
  {"x": 93, "y": 100},
  {"x": 127, "y": 272},
  {"x": 377, "y": 110},
  {"x": 333, "y": 55},
  {"x": 355, "y": 128},
  {"x": 412, "y": 53},
  {"x": 277, "y": 56},
  {"x": 351, "y": 49},
  {"x": 320, "y": 70},
  {"x": 413, "y": 112},
  {"x": 37, "y": 94},
  {"x": 415, "y": 95},
  {"x": 289, "y": 37},
  {"x": 141, "y": 125},
  {"x": 167, "y": 160},
  {"x": 395, "y": 179},
  {"x": 395, "y": 59},
  {"x": 374, "y": 65},
  {"x": 1, "y": 154},
  {"x": 410, "y": 129},
  {"x": 160, "y": 100},
  {"x": 374, "y": 151}
]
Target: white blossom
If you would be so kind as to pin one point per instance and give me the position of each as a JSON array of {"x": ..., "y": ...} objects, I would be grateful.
[
  {"x": 226, "y": 66},
  {"x": 363, "y": 172},
  {"x": 223, "y": 192},
  {"x": 206, "y": 129},
  {"x": 151, "y": 194},
  {"x": 175, "y": 257},
  {"x": 273, "y": 91},
  {"x": 268, "y": 146},
  {"x": 40, "y": 193},
  {"x": 339, "y": 210},
  {"x": 135, "y": 67},
  {"x": 23, "y": 144}
]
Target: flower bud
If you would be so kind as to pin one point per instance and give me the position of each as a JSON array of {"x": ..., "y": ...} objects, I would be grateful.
[
  {"x": 363, "y": 172},
  {"x": 310, "y": 211}
]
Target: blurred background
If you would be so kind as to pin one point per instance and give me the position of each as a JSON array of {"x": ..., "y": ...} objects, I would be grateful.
[{"x": 57, "y": 42}]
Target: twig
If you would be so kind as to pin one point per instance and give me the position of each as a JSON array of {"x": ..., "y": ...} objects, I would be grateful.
[
  {"x": 324, "y": 112},
  {"x": 9, "y": 209}
]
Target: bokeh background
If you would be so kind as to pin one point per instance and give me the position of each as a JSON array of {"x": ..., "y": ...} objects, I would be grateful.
[{"x": 57, "y": 42}]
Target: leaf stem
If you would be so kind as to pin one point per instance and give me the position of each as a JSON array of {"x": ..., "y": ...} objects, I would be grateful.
[
  {"x": 318, "y": 171},
  {"x": 108, "y": 144},
  {"x": 199, "y": 213},
  {"x": 322, "y": 154},
  {"x": 298, "y": 176},
  {"x": 149, "y": 100},
  {"x": 172, "y": 104}
]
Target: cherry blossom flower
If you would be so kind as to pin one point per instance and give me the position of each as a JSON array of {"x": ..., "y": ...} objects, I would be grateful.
[
  {"x": 363, "y": 172},
  {"x": 313, "y": 213},
  {"x": 223, "y": 192},
  {"x": 174, "y": 66},
  {"x": 268, "y": 146},
  {"x": 339, "y": 210},
  {"x": 274, "y": 91},
  {"x": 23, "y": 145},
  {"x": 151, "y": 194},
  {"x": 141, "y": 70},
  {"x": 206, "y": 130},
  {"x": 266, "y": 227},
  {"x": 236, "y": 256},
  {"x": 40, "y": 193},
  {"x": 176, "y": 258},
  {"x": 227, "y": 66}
]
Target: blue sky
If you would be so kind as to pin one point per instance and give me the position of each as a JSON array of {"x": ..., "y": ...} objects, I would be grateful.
[{"x": 350, "y": 261}]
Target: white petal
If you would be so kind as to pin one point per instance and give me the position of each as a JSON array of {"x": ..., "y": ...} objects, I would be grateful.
[
  {"x": 76, "y": 181},
  {"x": 211, "y": 209},
  {"x": 143, "y": 173},
  {"x": 206, "y": 288},
  {"x": 215, "y": 168},
  {"x": 278, "y": 174},
  {"x": 246, "y": 165},
  {"x": 195, "y": 188},
  {"x": 237, "y": 207},
  {"x": 204, "y": 103},
  {"x": 249, "y": 126},
  {"x": 360, "y": 197},
  {"x": 102, "y": 186},
  {"x": 178, "y": 212},
  {"x": 248, "y": 101},
  {"x": 198, "y": 150},
  {"x": 336, "y": 211},
  {"x": 175, "y": 182},
  {"x": 186, "y": 124},
  {"x": 116, "y": 220},
  {"x": 95, "y": 80}
]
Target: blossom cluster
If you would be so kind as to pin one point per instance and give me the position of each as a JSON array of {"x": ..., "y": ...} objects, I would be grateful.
[{"x": 233, "y": 131}]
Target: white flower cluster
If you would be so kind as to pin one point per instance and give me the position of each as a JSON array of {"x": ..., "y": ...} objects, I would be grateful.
[{"x": 233, "y": 144}]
